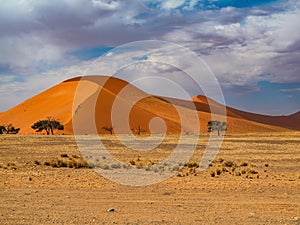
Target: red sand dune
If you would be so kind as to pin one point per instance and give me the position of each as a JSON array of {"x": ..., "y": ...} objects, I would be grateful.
[
  {"x": 290, "y": 122},
  {"x": 93, "y": 109}
]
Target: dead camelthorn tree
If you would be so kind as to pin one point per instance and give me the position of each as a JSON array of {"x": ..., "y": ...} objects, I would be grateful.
[
  {"x": 110, "y": 129},
  {"x": 138, "y": 130}
]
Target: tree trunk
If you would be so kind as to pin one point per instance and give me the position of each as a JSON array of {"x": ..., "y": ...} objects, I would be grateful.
[{"x": 139, "y": 130}]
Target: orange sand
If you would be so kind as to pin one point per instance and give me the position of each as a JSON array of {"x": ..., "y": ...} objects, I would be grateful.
[{"x": 57, "y": 102}]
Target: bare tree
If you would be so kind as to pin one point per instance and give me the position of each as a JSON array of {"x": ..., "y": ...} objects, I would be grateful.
[
  {"x": 187, "y": 132},
  {"x": 138, "y": 130},
  {"x": 110, "y": 129}
]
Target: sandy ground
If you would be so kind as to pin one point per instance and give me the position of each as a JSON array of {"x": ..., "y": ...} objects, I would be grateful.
[{"x": 263, "y": 187}]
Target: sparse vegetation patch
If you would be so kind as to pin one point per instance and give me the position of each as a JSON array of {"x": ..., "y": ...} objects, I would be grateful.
[
  {"x": 230, "y": 167},
  {"x": 65, "y": 161}
]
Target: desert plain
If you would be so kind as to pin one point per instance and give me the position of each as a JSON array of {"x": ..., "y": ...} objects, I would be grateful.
[{"x": 255, "y": 179}]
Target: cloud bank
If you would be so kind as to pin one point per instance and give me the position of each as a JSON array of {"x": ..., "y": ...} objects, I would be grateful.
[{"x": 243, "y": 42}]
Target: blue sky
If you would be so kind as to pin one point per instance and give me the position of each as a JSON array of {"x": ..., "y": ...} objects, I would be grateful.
[
  {"x": 252, "y": 46},
  {"x": 276, "y": 96}
]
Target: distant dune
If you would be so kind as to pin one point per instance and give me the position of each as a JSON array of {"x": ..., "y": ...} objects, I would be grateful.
[
  {"x": 92, "y": 105},
  {"x": 289, "y": 122}
]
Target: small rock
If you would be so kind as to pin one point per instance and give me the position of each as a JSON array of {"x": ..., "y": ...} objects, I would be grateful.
[
  {"x": 251, "y": 214},
  {"x": 110, "y": 210}
]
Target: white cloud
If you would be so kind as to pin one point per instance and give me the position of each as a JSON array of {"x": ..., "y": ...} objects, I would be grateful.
[
  {"x": 13, "y": 92},
  {"x": 107, "y": 5},
  {"x": 7, "y": 78},
  {"x": 29, "y": 51},
  {"x": 172, "y": 4},
  {"x": 240, "y": 45},
  {"x": 193, "y": 3},
  {"x": 240, "y": 52}
]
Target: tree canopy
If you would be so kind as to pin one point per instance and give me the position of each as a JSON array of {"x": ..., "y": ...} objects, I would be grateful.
[
  {"x": 9, "y": 129},
  {"x": 49, "y": 125},
  {"x": 2, "y": 129},
  {"x": 216, "y": 125}
]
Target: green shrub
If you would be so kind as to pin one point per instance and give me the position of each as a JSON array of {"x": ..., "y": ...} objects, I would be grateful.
[
  {"x": 82, "y": 164},
  {"x": 116, "y": 166},
  {"x": 61, "y": 163},
  {"x": 238, "y": 173},
  {"x": 67, "y": 162},
  {"x": 155, "y": 170},
  {"x": 192, "y": 164},
  {"x": 192, "y": 170},
  {"x": 126, "y": 166},
  {"x": 224, "y": 169},
  {"x": 251, "y": 171},
  {"x": 244, "y": 164},
  {"x": 53, "y": 164},
  {"x": 175, "y": 168},
  {"x": 105, "y": 167},
  {"x": 72, "y": 164},
  {"x": 11, "y": 164},
  {"x": 132, "y": 162},
  {"x": 229, "y": 164}
]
